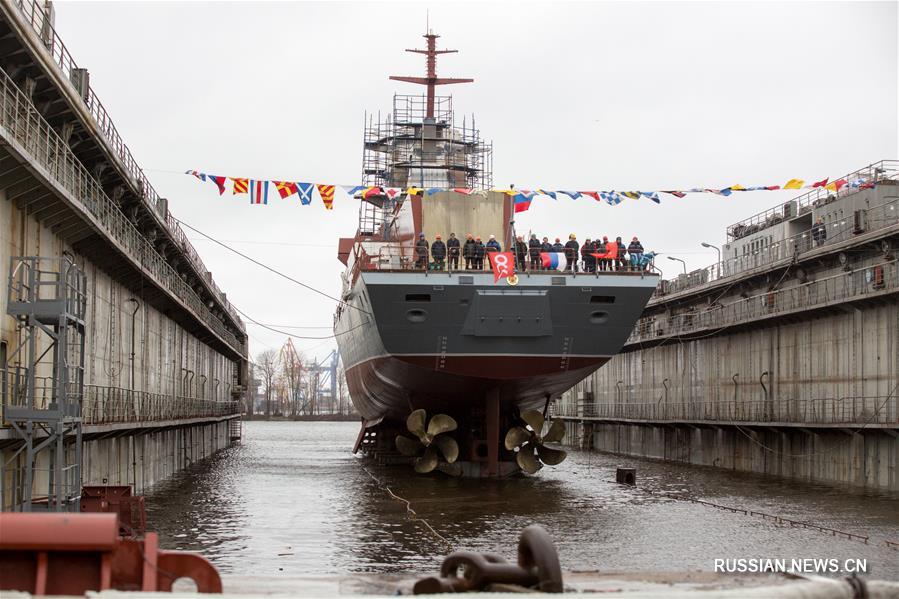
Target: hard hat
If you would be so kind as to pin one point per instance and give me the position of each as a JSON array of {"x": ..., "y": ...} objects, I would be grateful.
[
  {"x": 572, "y": 236},
  {"x": 437, "y": 237}
]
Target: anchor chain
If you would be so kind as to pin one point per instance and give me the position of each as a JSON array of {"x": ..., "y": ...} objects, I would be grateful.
[{"x": 537, "y": 568}]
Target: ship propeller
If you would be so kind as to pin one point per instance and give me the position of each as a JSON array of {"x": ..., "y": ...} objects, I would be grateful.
[
  {"x": 434, "y": 442},
  {"x": 532, "y": 451}
]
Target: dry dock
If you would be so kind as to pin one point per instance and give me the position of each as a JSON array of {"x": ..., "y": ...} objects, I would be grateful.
[
  {"x": 122, "y": 361},
  {"x": 782, "y": 358}
]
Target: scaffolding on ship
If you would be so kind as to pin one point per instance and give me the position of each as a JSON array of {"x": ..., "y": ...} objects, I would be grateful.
[{"x": 420, "y": 144}]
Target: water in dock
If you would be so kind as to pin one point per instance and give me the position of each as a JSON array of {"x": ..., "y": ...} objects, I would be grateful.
[{"x": 291, "y": 500}]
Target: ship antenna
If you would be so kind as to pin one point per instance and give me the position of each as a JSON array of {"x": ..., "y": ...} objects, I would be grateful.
[{"x": 431, "y": 80}]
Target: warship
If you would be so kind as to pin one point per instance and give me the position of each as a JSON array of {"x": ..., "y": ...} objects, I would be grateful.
[{"x": 448, "y": 368}]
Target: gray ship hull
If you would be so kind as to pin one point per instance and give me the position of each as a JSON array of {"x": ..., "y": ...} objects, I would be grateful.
[{"x": 443, "y": 341}]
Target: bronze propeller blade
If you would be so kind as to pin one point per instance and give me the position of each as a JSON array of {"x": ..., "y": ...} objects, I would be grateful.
[
  {"x": 406, "y": 446},
  {"x": 550, "y": 456},
  {"x": 448, "y": 447},
  {"x": 415, "y": 423},
  {"x": 516, "y": 437},
  {"x": 534, "y": 419},
  {"x": 527, "y": 461},
  {"x": 441, "y": 423},
  {"x": 555, "y": 433},
  {"x": 427, "y": 462}
]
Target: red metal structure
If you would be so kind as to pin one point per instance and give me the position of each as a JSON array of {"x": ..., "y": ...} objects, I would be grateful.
[
  {"x": 118, "y": 500},
  {"x": 70, "y": 554},
  {"x": 431, "y": 80}
]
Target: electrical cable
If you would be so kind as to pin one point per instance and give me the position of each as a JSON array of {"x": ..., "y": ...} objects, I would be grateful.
[
  {"x": 293, "y": 326},
  {"x": 273, "y": 270},
  {"x": 334, "y": 336},
  {"x": 286, "y": 243}
]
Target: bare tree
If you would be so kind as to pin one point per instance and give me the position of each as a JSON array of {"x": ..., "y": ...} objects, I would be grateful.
[
  {"x": 252, "y": 389},
  {"x": 267, "y": 366},
  {"x": 292, "y": 376}
]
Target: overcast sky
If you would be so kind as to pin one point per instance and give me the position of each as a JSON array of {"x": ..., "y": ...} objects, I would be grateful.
[{"x": 586, "y": 95}]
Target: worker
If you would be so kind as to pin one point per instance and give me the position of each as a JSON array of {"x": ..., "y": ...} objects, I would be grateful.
[
  {"x": 452, "y": 248},
  {"x": 571, "y": 253},
  {"x": 534, "y": 248},
  {"x": 546, "y": 246},
  {"x": 438, "y": 253},
  {"x": 479, "y": 252},
  {"x": 602, "y": 247},
  {"x": 622, "y": 249},
  {"x": 421, "y": 252},
  {"x": 493, "y": 245},
  {"x": 557, "y": 246},
  {"x": 587, "y": 256},
  {"x": 468, "y": 252},
  {"x": 635, "y": 253},
  {"x": 819, "y": 231},
  {"x": 521, "y": 254}
]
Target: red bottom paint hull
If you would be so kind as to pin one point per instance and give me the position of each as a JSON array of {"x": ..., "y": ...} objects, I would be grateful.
[{"x": 391, "y": 386}]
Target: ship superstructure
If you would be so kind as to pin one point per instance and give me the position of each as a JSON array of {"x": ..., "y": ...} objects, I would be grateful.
[{"x": 447, "y": 366}]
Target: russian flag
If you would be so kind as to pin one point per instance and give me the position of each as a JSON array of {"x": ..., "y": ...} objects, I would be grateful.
[
  {"x": 522, "y": 201},
  {"x": 553, "y": 260}
]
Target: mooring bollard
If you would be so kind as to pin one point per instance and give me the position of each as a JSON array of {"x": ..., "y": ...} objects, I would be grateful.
[{"x": 626, "y": 476}]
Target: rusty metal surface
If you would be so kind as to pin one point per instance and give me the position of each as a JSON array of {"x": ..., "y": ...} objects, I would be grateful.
[
  {"x": 131, "y": 509},
  {"x": 71, "y": 554}
]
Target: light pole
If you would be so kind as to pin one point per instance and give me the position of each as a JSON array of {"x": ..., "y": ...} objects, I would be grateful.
[
  {"x": 717, "y": 249},
  {"x": 681, "y": 261},
  {"x": 714, "y": 247}
]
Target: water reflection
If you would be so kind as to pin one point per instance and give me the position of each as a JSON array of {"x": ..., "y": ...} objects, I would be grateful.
[{"x": 292, "y": 500}]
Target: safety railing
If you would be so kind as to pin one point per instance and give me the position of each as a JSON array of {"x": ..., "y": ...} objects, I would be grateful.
[
  {"x": 842, "y": 410},
  {"x": 845, "y": 286},
  {"x": 26, "y": 127},
  {"x": 400, "y": 257},
  {"x": 105, "y": 405},
  {"x": 876, "y": 218},
  {"x": 35, "y": 16},
  {"x": 102, "y": 404},
  {"x": 34, "y": 279},
  {"x": 878, "y": 171}
]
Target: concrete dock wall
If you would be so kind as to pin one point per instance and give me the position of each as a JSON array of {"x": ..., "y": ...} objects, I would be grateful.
[
  {"x": 143, "y": 460},
  {"x": 782, "y": 359},
  {"x": 705, "y": 401},
  {"x": 170, "y": 363},
  {"x": 844, "y": 354},
  {"x": 168, "y": 360},
  {"x": 867, "y": 459}
]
